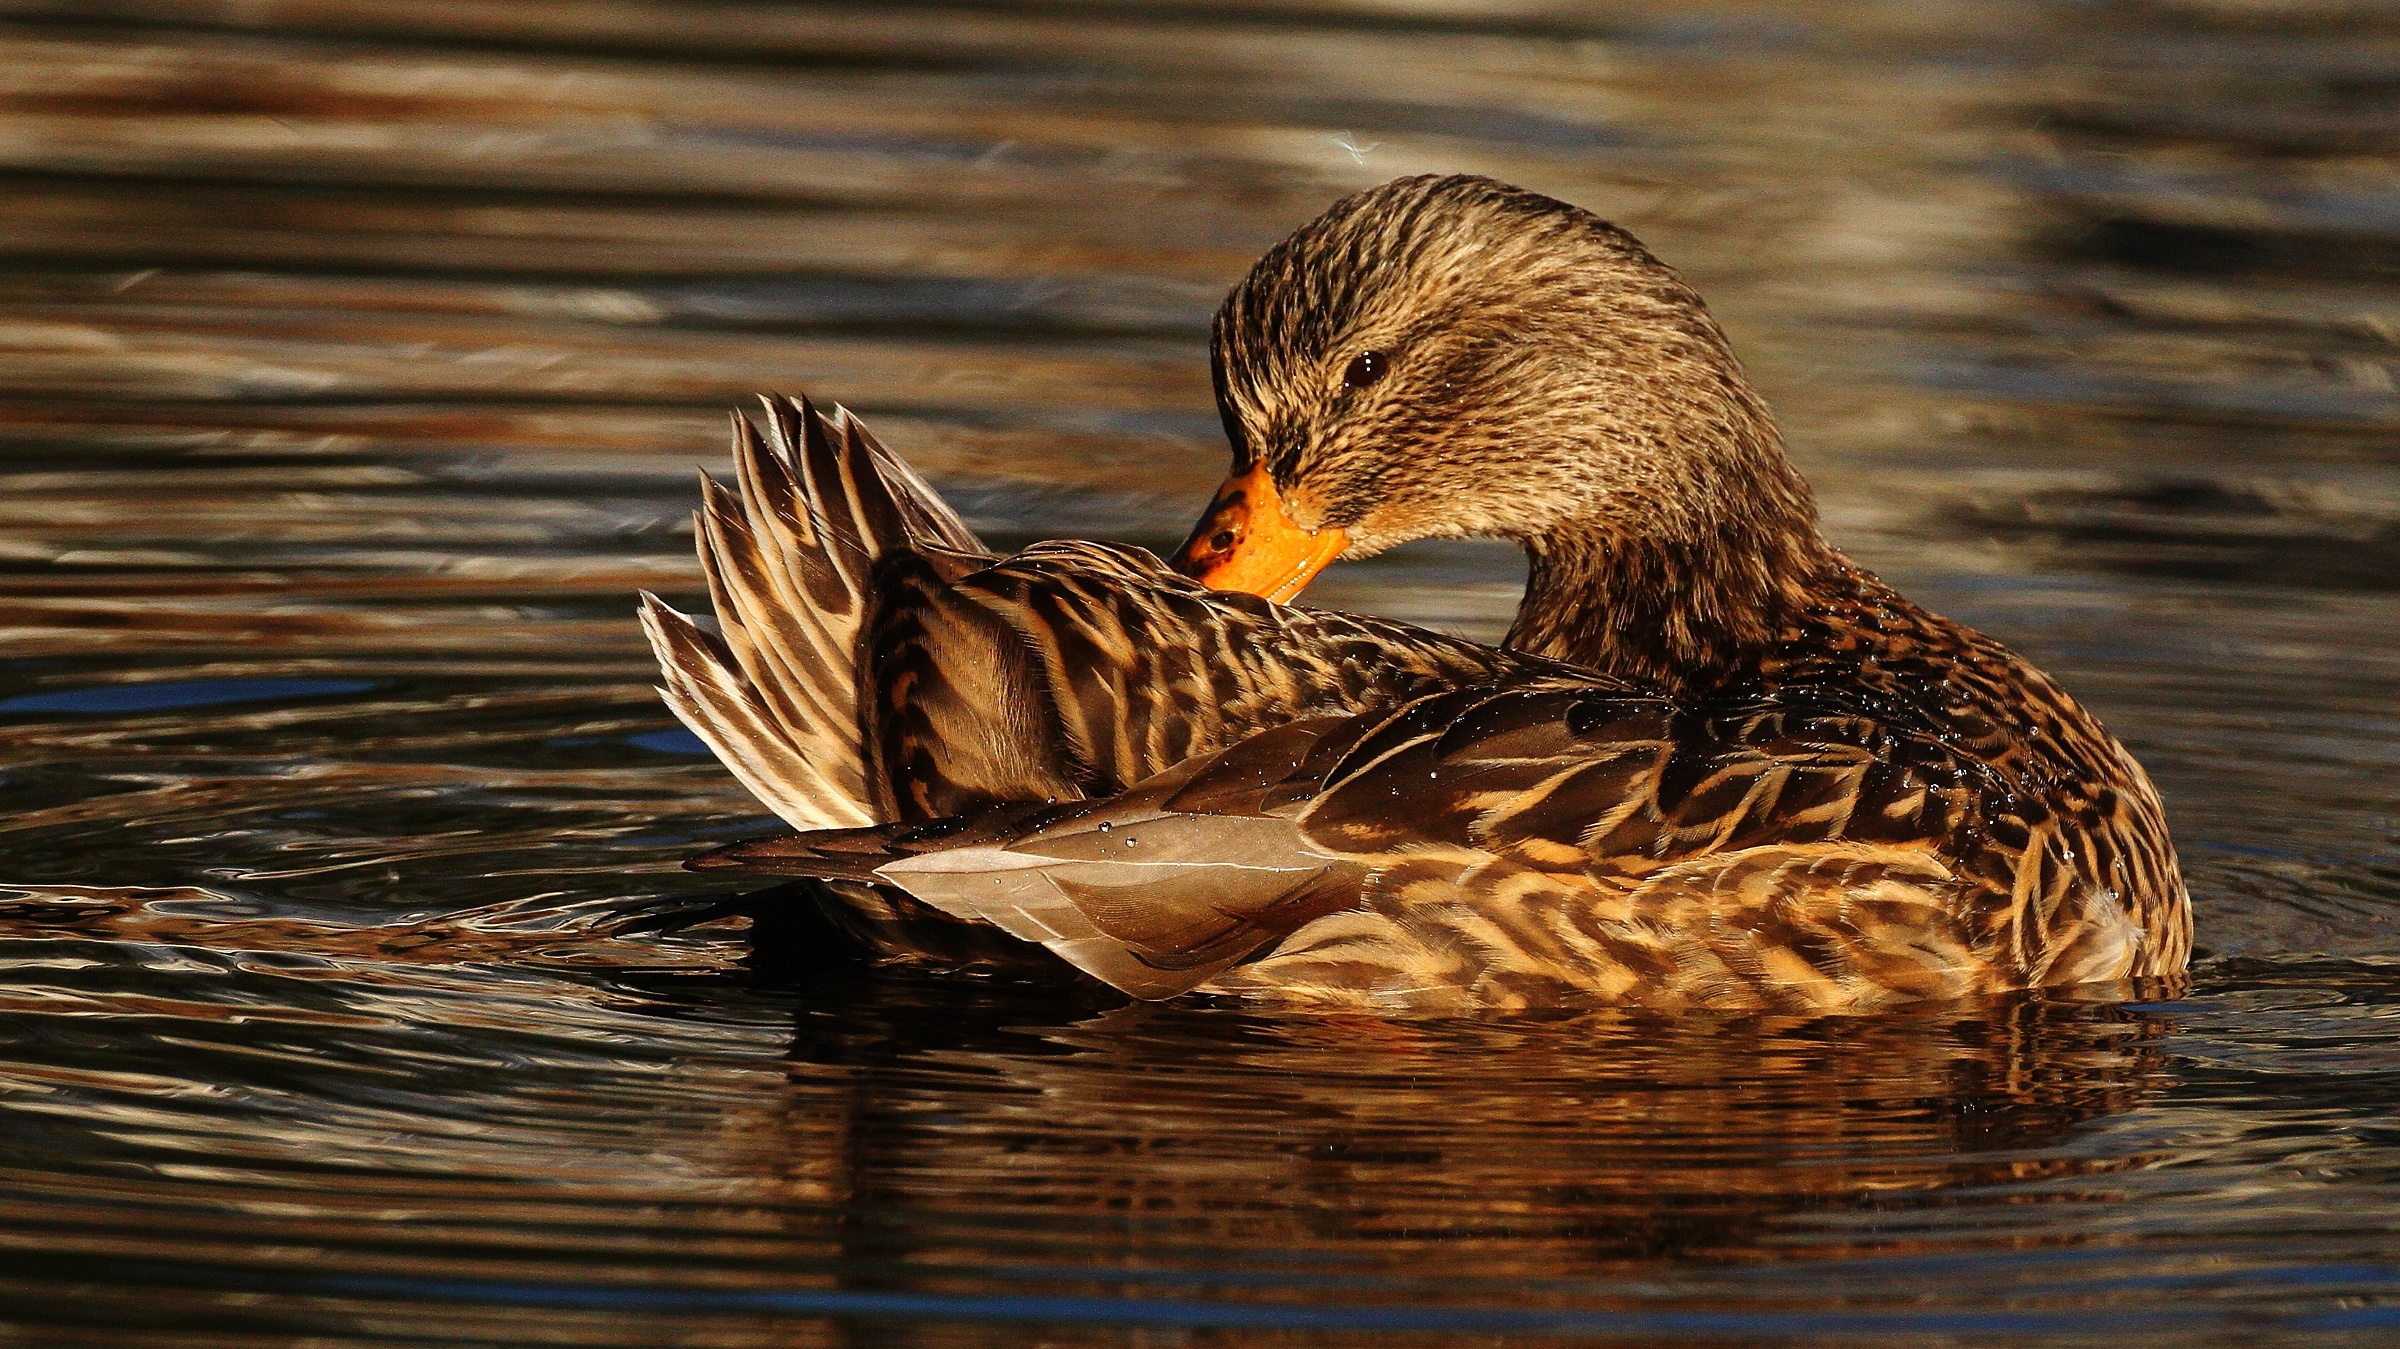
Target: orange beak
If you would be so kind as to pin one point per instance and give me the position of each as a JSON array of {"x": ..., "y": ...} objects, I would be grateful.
[{"x": 1246, "y": 542}]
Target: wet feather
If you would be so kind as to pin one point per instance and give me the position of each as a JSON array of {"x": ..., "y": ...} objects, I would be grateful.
[{"x": 1726, "y": 768}]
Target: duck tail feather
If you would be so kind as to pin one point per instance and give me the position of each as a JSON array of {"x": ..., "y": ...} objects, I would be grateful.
[
  {"x": 753, "y": 606},
  {"x": 802, "y": 605},
  {"x": 930, "y": 521},
  {"x": 707, "y": 691},
  {"x": 791, "y": 661},
  {"x": 846, "y": 530},
  {"x": 788, "y": 555},
  {"x": 776, "y": 697}
]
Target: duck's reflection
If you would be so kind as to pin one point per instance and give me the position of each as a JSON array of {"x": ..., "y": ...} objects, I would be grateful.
[
  {"x": 1522, "y": 1150},
  {"x": 649, "y": 1135}
]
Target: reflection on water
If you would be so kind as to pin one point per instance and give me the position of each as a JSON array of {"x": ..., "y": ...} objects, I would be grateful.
[{"x": 353, "y": 363}]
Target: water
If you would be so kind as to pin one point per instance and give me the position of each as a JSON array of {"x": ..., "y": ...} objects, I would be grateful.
[{"x": 357, "y": 359}]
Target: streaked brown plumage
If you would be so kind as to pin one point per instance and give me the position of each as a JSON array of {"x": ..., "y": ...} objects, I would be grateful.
[{"x": 1721, "y": 767}]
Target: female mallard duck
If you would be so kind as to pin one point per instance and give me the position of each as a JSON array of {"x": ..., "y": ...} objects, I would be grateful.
[{"x": 1717, "y": 765}]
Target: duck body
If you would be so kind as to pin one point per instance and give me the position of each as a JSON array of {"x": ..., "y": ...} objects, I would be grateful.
[{"x": 1719, "y": 766}]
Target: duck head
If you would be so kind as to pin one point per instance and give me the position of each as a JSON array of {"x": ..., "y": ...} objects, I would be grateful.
[{"x": 1452, "y": 356}]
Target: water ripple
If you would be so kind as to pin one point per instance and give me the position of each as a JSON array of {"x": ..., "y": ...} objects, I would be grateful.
[{"x": 355, "y": 364}]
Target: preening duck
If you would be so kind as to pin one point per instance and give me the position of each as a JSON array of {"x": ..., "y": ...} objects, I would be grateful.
[{"x": 1715, "y": 765}]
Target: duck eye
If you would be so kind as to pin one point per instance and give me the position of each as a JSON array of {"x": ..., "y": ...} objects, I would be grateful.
[{"x": 1365, "y": 368}]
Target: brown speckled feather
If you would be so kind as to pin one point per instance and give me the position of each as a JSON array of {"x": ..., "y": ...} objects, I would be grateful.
[
  {"x": 1776, "y": 847},
  {"x": 875, "y": 667},
  {"x": 1075, "y": 670},
  {"x": 1547, "y": 842},
  {"x": 788, "y": 562}
]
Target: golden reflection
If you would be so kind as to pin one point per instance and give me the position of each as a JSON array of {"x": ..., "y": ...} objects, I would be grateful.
[{"x": 1523, "y": 1151}]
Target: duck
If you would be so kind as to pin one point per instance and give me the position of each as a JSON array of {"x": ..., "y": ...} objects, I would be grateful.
[{"x": 1714, "y": 764}]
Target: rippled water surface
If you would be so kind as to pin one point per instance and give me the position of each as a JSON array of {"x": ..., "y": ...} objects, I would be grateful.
[{"x": 354, "y": 363}]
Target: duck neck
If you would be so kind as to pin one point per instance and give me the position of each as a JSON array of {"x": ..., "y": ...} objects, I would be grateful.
[{"x": 1679, "y": 613}]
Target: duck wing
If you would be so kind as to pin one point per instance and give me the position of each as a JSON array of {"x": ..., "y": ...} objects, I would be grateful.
[
  {"x": 1154, "y": 891},
  {"x": 1545, "y": 841},
  {"x": 1075, "y": 670},
  {"x": 1532, "y": 846},
  {"x": 789, "y": 561},
  {"x": 1535, "y": 846}
]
